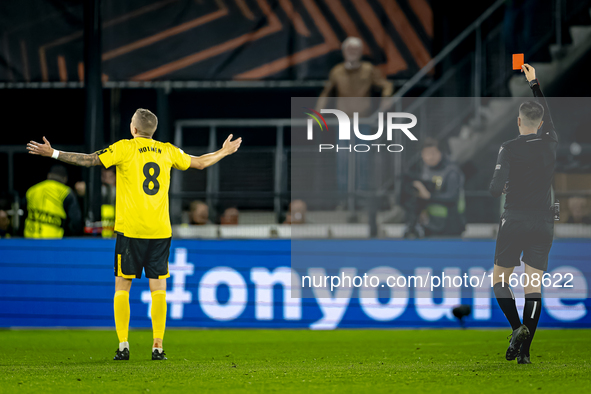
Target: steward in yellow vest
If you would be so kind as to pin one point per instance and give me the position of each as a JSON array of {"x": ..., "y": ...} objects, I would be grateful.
[{"x": 52, "y": 208}]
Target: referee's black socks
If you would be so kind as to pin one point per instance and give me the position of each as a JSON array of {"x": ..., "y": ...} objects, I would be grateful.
[
  {"x": 506, "y": 301},
  {"x": 531, "y": 316}
]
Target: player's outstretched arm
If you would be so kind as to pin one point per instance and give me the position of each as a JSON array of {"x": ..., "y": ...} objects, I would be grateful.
[
  {"x": 78, "y": 159},
  {"x": 229, "y": 147}
]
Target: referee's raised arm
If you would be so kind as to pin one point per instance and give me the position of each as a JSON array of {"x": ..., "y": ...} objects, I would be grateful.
[{"x": 547, "y": 125}]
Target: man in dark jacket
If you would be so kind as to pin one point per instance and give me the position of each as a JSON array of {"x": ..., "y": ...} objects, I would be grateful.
[{"x": 437, "y": 192}]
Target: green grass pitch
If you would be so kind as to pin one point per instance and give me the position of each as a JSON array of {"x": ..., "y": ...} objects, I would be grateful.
[{"x": 407, "y": 361}]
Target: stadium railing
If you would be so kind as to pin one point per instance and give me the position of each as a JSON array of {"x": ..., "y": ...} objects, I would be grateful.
[{"x": 343, "y": 231}]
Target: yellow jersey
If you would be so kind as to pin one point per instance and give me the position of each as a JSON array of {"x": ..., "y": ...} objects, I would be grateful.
[{"x": 143, "y": 180}]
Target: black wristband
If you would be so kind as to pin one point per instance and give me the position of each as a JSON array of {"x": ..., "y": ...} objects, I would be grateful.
[{"x": 533, "y": 83}]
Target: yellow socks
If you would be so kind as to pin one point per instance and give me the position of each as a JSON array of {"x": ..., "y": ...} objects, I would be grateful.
[
  {"x": 121, "y": 306},
  {"x": 159, "y": 313}
]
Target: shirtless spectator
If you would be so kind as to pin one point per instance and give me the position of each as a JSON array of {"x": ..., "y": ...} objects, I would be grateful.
[{"x": 353, "y": 78}]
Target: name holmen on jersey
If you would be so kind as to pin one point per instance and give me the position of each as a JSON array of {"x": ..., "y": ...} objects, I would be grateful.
[{"x": 150, "y": 149}]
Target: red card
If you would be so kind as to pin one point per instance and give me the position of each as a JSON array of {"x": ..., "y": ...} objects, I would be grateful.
[{"x": 517, "y": 61}]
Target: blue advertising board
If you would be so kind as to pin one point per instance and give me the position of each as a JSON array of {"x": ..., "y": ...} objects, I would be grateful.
[{"x": 246, "y": 283}]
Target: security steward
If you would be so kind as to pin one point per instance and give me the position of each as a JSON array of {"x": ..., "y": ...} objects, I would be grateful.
[{"x": 52, "y": 208}]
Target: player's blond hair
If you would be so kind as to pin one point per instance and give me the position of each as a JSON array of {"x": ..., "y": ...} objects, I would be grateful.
[{"x": 145, "y": 122}]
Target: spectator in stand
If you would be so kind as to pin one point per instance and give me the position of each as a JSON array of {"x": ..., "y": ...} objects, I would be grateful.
[
  {"x": 354, "y": 78},
  {"x": 4, "y": 224},
  {"x": 198, "y": 213},
  {"x": 579, "y": 212},
  {"x": 230, "y": 216},
  {"x": 108, "y": 198},
  {"x": 108, "y": 193},
  {"x": 296, "y": 213},
  {"x": 434, "y": 198},
  {"x": 108, "y": 190}
]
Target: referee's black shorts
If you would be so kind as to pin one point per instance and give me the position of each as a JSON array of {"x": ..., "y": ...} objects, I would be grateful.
[
  {"x": 132, "y": 255},
  {"x": 527, "y": 232}
]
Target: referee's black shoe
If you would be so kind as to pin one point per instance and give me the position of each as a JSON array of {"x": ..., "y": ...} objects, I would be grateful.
[
  {"x": 518, "y": 336},
  {"x": 158, "y": 355},
  {"x": 121, "y": 355},
  {"x": 523, "y": 358}
]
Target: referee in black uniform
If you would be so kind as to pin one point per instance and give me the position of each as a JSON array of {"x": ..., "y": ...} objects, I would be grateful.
[{"x": 524, "y": 172}]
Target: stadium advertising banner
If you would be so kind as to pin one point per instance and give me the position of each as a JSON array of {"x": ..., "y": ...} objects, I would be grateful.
[{"x": 230, "y": 283}]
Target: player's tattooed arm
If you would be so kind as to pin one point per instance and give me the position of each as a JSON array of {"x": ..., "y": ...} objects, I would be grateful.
[{"x": 78, "y": 159}]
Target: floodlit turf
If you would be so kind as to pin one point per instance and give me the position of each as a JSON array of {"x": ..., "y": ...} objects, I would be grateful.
[{"x": 373, "y": 361}]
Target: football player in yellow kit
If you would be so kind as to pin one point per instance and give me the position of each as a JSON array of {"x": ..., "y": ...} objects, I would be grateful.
[{"x": 142, "y": 219}]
